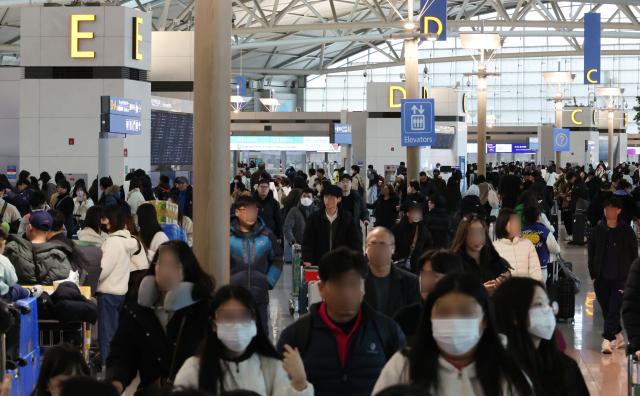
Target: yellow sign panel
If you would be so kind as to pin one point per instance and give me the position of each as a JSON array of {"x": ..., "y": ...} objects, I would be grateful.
[
  {"x": 595, "y": 120},
  {"x": 425, "y": 93},
  {"x": 76, "y": 35},
  {"x": 393, "y": 88},
  {"x": 573, "y": 117},
  {"x": 625, "y": 119},
  {"x": 137, "y": 38},
  {"x": 464, "y": 103},
  {"x": 436, "y": 20},
  {"x": 589, "y": 76}
]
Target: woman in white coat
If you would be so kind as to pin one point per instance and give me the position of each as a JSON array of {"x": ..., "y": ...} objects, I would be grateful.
[
  {"x": 237, "y": 354},
  {"x": 81, "y": 203},
  {"x": 134, "y": 196},
  {"x": 151, "y": 233},
  {"x": 457, "y": 349},
  {"x": 519, "y": 252},
  {"x": 92, "y": 228},
  {"x": 114, "y": 279}
]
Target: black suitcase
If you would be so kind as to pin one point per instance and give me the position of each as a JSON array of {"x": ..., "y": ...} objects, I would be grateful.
[
  {"x": 553, "y": 219},
  {"x": 579, "y": 229},
  {"x": 562, "y": 291}
]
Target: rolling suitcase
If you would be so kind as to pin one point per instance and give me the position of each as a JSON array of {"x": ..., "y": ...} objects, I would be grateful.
[
  {"x": 562, "y": 291},
  {"x": 579, "y": 229}
]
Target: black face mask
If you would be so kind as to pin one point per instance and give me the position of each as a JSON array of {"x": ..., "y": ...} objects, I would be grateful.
[{"x": 103, "y": 227}]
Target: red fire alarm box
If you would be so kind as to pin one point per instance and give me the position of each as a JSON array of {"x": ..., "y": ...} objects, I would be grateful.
[
  {"x": 71, "y": 141},
  {"x": 126, "y": 153},
  {"x": 392, "y": 148}
]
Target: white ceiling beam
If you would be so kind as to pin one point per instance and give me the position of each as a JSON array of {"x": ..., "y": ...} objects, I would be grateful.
[
  {"x": 375, "y": 12},
  {"x": 497, "y": 5},
  {"x": 253, "y": 14},
  {"x": 462, "y": 9},
  {"x": 259, "y": 8},
  {"x": 274, "y": 13},
  {"x": 628, "y": 13},
  {"x": 514, "y": 55},
  {"x": 375, "y": 47},
  {"x": 284, "y": 12},
  {"x": 165, "y": 11}
]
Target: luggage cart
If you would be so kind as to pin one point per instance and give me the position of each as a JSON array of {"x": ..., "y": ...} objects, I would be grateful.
[
  {"x": 296, "y": 278},
  {"x": 52, "y": 333},
  {"x": 309, "y": 274}
]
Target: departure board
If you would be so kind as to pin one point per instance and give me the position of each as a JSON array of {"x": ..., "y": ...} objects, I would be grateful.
[{"x": 171, "y": 138}]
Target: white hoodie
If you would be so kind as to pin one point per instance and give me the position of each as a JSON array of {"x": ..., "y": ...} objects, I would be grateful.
[
  {"x": 521, "y": 255},
  {"x": 116, "y": 262},
  {"x": 134, "y": 197},
  {"x": 89, "y": 235},
  {"x": 247, "y": 375}
]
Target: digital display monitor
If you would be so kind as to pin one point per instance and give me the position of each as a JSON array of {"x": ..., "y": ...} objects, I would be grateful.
[
  {"x": 503, "y": 148},
  {"x": 532, "y": 142},
  {"x": 521, "y": 148},
  {"x": 443, "y": 141},
  {"x": 491, "y": 148},
  {"x": 171, "y": 138}
]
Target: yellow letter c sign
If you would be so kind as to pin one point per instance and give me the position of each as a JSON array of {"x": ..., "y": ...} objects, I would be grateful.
[
  {"x": 589, "y": 76},
  {"x": 573, "y": 117},
  {"x": 436, "y": 20},
  {"x": 76, "y": 35},
  {"x": 393, "y": 88}
]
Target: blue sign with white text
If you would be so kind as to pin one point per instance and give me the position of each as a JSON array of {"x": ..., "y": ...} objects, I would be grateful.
[
  {"x": 121, "y": 106},
  {"x": 592, "y": 38},
  {"x": 342, "y": 134},
  {"x": 561, "y": 140},
  {"x": 124, "y": 124},
  {"x": 242, "y": 86},
  {"x": 418, "y": 126},
  {"x": 434, "y": 19}
]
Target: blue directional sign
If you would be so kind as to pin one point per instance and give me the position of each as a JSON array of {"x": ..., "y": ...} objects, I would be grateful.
[
  {"x": 341, "y": 134},
  {"x": 115, "y": 123},
  {"x": 242, "y": 86},
  {"x": 418, "y": 126},
  {"x": 592, "y": 45},
  {"x": 434, "y": 19},
  {"x": 121, "y": 106},
  {"x": 561, "y": 140}
]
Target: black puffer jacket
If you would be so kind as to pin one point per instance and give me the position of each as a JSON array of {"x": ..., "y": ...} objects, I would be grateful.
[
  {"x": 142, "y": 345},
  {"x": 491, "y": 267},
  {"x": 269, "y": 211},
  {"x": 595, "y": 212},
  {"x": 627, "y": 247},
  {"x": 385, "y": 211},
  {"x": 404, "y": 234},
  {"x": 471, "y": 204},
  {"x": 631, "y": 305}
]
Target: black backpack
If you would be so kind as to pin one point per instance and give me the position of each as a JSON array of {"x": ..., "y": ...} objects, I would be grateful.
[
  {"x": 440, "y": 230},
  {"x": 125, "y": 206},
  {"x": 382, "y": 327}
]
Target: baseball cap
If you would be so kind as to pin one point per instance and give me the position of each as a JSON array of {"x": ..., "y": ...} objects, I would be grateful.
[
  {"x": 182, "y": 179},
  {"x": 41, "y": 220}
]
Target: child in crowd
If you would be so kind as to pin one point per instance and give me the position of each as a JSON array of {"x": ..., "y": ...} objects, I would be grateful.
[
  {"x": 541, "y": 237},
  {"x": 9, "y": 289}
]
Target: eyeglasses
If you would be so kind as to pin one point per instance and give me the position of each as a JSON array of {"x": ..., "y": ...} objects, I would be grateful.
[{"x": 545, "y": 306}]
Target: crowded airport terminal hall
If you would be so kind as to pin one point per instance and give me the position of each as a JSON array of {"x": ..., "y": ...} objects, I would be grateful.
[{"x": 319, "y": 197}]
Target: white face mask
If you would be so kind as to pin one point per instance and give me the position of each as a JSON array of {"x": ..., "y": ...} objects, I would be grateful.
[
  {"x": 237, "y": 336},
  {"x": 306, "y": 201},
  {"x": 542, "y": 323},
  {"x": 456, "y": 336}
]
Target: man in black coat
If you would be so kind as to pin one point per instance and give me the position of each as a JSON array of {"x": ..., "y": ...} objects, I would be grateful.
[
  {"x": 185, "y": 193},
  {"x": 593, "y": 185},
  {"x": 595, "y": 213},
  {"x": 540, "y": 186},
  {"x": 20, "y": 199},
  {"x": 260, "y": 174},
  {"x": 631, "y": 307},
  {"x": 269, "y": 208},
  {"x": 438, "y": 181},
  {"x": 441, "y": 226},
  {"x": 329, "y": 228},
  {"x": 509, "y": 188},
  {"x": 352, "y": 201},
  {"x": 343, "y": 342},
  {"x": 427, "y": 187},
  {"x": 387, "y": 289},
  {"x": 630, "y": 211},
  {"x": 612, "y": 248}
]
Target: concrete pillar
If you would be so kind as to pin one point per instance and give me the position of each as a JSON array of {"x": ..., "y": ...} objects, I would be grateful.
[
  {"x": 211, "y": 134},
  {"x": 558, "y": 126},
  {"x": 413, "y": 92},
  {"x": 612, "y": 164}
]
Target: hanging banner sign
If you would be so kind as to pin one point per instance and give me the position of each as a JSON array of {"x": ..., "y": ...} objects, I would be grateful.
[
  {"x": 592, "y": 45},
  {"x": 242, "y": 86},
  {"x": 434, "y": 19},
  {"x": 561, "y": 140}
]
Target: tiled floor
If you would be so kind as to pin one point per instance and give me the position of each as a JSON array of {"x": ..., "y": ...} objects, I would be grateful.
[{"x": 605, "y": 375}]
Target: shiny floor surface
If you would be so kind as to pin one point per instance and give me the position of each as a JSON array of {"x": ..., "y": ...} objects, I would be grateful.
[{"x": 605, "y": 375}]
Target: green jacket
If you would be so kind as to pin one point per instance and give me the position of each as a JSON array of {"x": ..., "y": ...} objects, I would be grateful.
[
  {"x": 560, "y": 184},
  {"x": 52, "y": 261}
]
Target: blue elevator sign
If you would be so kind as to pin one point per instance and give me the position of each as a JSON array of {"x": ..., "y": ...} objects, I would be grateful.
[{"x": 418, "y": 122}]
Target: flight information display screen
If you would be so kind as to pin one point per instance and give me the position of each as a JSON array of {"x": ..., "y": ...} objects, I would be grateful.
[{"x": 171, "y": 138}]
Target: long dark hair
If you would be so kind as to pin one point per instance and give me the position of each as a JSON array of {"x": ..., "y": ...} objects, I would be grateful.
[
  {"x": 203, "y": 283},
  {"x": 493, "y": 364},
  {"x": 544, "y": 366},
  {"x": 61, "y": 359},
  {"x": 136, "y": 182},
  {"x": 148, "y": 223},
  {"x": 529, "y": 198},
  {"x": 460, "y": 240},
  {"x": 92, "y": 219},
  {"x": 115, "y": 215},
  {"x": 210, "y": 353}
]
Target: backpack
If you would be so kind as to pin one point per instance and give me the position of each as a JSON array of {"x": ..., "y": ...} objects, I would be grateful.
[
  {"x": 380, "y": 181},
  {"x": 440, "y": 231},
  {"x": 383, "y": 330},
  {"x": 93, "y": 256},
  {"x": 360, "y": 187}
]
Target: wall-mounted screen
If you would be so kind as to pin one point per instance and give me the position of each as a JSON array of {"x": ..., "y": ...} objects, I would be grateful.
[
  {"x": 171, "y": 138},
  {"x": 503, "y": 148},
  {"x": 444, "y": 141}
]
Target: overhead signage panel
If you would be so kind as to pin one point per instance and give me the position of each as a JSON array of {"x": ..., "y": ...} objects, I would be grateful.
[
  {"x": 341, "y": 134},
  {"x": 592, "y": 46},
  {"x": 121, "y": 106},
  {"x": 296, "y": 143},
  {"x": 418, "y": 122},
  {"x": 434, "y": 19},
  {"x": 561, "y": 140},
  {"x": 114, "y": 123}
]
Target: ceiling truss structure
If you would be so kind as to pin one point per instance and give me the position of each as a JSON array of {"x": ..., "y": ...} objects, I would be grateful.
[{"x": 306, "y": 37}]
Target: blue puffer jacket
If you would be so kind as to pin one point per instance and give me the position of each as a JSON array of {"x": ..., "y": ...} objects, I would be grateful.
[{"x": 256, "y": 262}]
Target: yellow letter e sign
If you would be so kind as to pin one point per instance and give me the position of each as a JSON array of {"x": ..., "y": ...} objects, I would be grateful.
[{"x": 76, "y": 35}]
